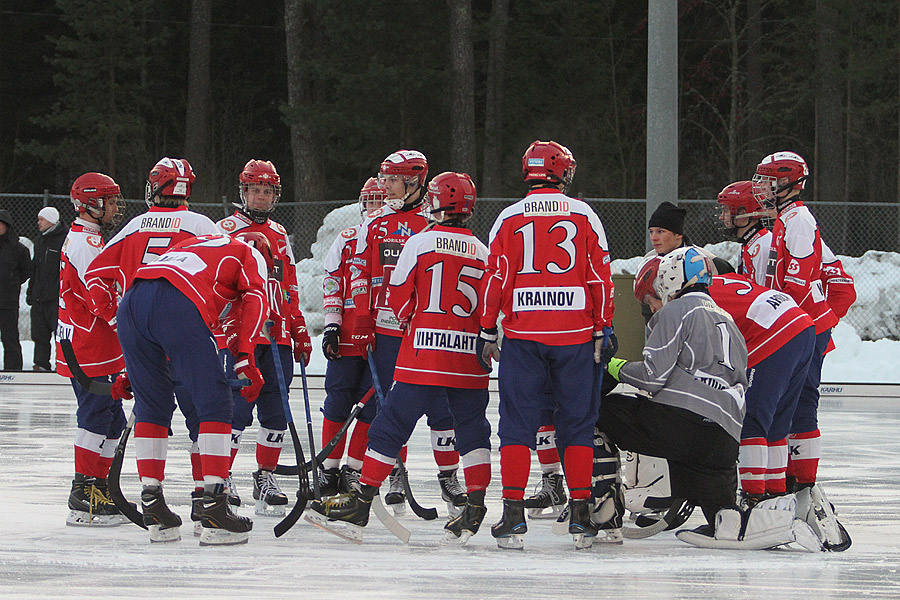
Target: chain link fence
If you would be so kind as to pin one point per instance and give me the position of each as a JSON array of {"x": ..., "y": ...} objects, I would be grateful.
[{"x": 850, "y": 229}]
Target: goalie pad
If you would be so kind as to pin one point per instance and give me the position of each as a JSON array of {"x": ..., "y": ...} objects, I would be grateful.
[
  {"x": 769, "y": 524},
  {"x": 646, "y": 483},
  {"x": 815, "y": 509}
]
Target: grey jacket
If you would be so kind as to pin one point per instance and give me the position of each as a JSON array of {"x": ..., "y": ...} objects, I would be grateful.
[{"x": 695, "y": 358}]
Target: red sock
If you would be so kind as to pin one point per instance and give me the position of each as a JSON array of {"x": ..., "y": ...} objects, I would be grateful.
[
  {"x": 515, "y": 464},
  {"x": 579, "y": 461}
]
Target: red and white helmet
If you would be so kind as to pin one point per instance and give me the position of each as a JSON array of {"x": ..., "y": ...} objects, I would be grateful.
[
  {"x": 92, "y": 192},
  {"x": 643, "y": 281},
  {"x": 170, "y": 177},
  {"x": 371, "y": 197},
  {"x": 548, "y": 161},
  {"x": 776, "y": 166},
  {"x": 738, "y": 201},
  {"x": 451, "y": 194},
  {"x": 261, "y": 243},
  {"x": 260, "y": 172},
  {"x": 409, "y": 164}
]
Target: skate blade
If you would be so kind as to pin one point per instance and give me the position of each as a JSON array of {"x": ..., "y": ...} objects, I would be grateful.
[
  {"x": 582, "y": 541},
  {"x": 512, "y": 542},
  {"x": 198, "y": 528},
  {"x": 610, "y": 536},
  {"x": 77, "y": 518},
  {"x": 346, "y": 531},
  {"x": 547, "y": 512},
  {"x": 214, "y": 536},
  {"x": 561, "y": 525},
  {"x": 399, "y": 508},
  {"x": 269, "y": 510},
  {"x": 450, "y": 538},
  {"x": 159, "y": 535}
]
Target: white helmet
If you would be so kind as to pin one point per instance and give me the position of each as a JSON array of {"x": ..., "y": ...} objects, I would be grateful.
[{"x": 681, "y": 268}]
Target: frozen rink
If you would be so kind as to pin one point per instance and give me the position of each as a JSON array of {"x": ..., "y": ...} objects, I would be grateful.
[{"x": 43, "y": 558}]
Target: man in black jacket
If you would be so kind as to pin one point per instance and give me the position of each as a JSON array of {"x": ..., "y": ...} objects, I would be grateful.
[
  {"x": 15, "y": 268},
  {"x": 43, "y": 287}
]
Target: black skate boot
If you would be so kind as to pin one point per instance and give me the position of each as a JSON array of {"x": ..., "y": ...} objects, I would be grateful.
[
  {"x": 452, "y": 492},
  {"x": 512, "y": 526},
  {"x": 349, "y": 479},
  {"x": 89, "y": 504},
  {"x": 580, "y": 526},
  {"x": 464, "y": 526},
  {"x": 329, "y": 481},
  {"x": 549, "y": 500},
  {"x": 344, "y": 515},
  {"x": 196, "y": 510},
  {"x": 221, "y": 527},
  {"x": 162, "y": 523},
  {"x": 270, "y": 500},
  {"x": 396, "y": 497}
]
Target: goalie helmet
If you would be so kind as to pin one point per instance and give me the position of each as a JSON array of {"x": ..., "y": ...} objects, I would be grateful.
[
  {"x": 91, "y": 194},
  {"x": 261, "y": 243},
  {"x": 680, "y": 269},
  {"x": 774, "y": 167},
  {"x": 411, "y": 166},
  {"x": 171, "y": 178},
  {"x": 371, "y": 197},
  {"x": 643, "y": 281},
  {"x": 548, "y": 161},
  {"x": 263, "y": 173},
  {"x": 451, "y": 195}
]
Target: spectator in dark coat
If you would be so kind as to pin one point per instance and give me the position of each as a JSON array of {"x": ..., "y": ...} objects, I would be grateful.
[
  {"x": 15, "y": 269},
  {"x": 43, "y": 287}
]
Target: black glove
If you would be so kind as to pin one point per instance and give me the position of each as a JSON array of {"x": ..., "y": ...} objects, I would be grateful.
[
  {"x": 486, "y": 348},
  {"x": 605, "y": 345},
  {"x": 330, "y": 340}
]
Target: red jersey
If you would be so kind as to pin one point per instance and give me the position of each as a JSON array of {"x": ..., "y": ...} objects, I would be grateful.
[
  {"x": 434, "y": 291},
  {"x": 284, "y": 299},
  {"x": 840, "y": 289},
  {"x": 766, "y": 318},
  {"x": 755, "y": 256},
  {"x": 797, "y": 266},
  {"x": 93, "y": 339},
  {"x": 218, "y": 274},
  {"x": 378, "y": 244},
  {"x": 141, "y": 241},
  {"x": 548, "y": 271},
  {"x": 339, "y": 306}
]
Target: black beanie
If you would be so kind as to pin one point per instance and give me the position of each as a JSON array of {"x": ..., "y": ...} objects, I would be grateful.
[{"x": 668, "y": 216}]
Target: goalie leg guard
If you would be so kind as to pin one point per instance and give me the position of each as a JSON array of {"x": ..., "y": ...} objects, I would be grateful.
[
  {"x": 769, "y": 524},
  {"x": 815, "y": 509},
  {"x": 647, "y": 491}
]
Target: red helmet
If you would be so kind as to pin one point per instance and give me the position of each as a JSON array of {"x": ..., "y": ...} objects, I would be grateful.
[
  {"x": 451, "y": 194},
  {"x": 774, "y": 167},
  {"x": 169, "y": 177},
  {"x": 262, "y": 244},
  {"x": 548, "y": 161},
  {"x": 261, "y": 172},
  {"x": 371, "y": 196},
  {"x": 412, "y": 164},
  {"x": 91, "y": 192},
  {"x": 643, "y": 281}
]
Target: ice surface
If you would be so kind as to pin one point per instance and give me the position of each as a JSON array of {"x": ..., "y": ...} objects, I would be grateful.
[{"x": 43, "y": 558}]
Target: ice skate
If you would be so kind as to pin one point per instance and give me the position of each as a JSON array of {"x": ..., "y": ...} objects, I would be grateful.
[
  {"x": 344, "y": 515},
  {"x": 231, "y": 490},
  {"x": 160, "y": 521},
  {"x": 459, "y": 529},
  {"x": 349, "y": 479},
  {"x": 329, "y": 481},
  {"x": 815, "y": 509},
  {"x": 511, "y": 528},
  {"x": 196, "y": 509},
  {"x": 452, "y": 492},
  {"x": 607, "y": 515},
  {"x": 270, "y": 500},
  {"x": 580, "y": 526},
  {"x": 549, "y": 499},
  {"x": 221, "y": 527},
  {"x": 396, "y": 497},
  {"x": 90, "y": 505}
]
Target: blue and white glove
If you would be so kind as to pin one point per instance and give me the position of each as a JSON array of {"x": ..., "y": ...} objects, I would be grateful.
[
  {"x": 605, "y": 345},
  {"x": 486, "y": 348}
]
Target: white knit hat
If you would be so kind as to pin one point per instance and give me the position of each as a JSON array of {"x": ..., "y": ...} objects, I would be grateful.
[{"x": 49, "y": 213}]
